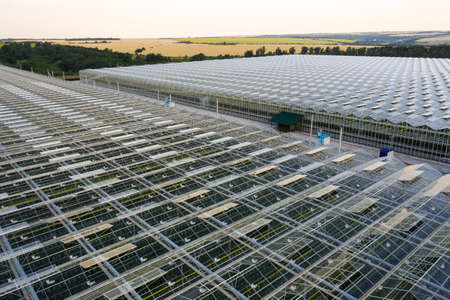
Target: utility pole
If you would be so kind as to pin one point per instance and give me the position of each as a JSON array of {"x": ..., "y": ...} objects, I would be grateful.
[
  {"x": 340, "y": 139},
  {"x": 64, "y": 76},
  {"x": 312, "y": 121},
  {"x": 217, "y": 107},
  {"x": 118, "y": 88}
]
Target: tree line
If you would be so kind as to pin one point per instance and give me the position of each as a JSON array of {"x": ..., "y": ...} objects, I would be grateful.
[
  {"x": 393, "y": 51},
  {"x": 44, "y": 57}
]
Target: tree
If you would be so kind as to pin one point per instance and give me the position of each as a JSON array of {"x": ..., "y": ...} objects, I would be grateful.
[
  {"x": 361, "y": 51},
  {"x": 336, "y": 50},
  {"x": 248, "y": 53},
  {"x": 261, "y": 51},
  {"x": 139, "y": 51},
  {"x": 156, "y": 58},
  {"x": 350, "y": 51},
  {"x": 198, "y": 57},
  {"x": 292, "y": 50},
  {"x": 278, "y": 51},
  {"x": 304, "y": 50}
]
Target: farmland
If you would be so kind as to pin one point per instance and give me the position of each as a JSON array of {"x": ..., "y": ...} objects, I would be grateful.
[
  {"x": 171, "y": 47},
  {"x": 215, "y": 46},
  {"x": 265, "y": 41},
  {"x": 439, "y": 40}
]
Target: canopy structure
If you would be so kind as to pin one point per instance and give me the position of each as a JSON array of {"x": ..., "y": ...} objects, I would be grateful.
[
  {"x": 397, "y": 102},
  {"x": 106, "y": 196}
]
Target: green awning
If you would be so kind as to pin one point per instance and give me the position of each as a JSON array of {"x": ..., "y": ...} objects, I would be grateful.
[{"x": 286, "y": 118}]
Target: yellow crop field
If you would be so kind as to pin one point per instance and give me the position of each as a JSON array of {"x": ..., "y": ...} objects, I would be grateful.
[
  {"x": 171, "y": 47},
  {"x": 266, "y": 41}
]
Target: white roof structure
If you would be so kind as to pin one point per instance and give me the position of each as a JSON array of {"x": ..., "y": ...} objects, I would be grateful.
[
  {"x": 149, "y": 210},
  {"x": 411, "y": 90}
]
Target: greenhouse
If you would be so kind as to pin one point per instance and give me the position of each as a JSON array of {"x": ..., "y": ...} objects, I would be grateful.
[
  {"x": 106, "y": 196},
  {"x": 377, "y": 101}
]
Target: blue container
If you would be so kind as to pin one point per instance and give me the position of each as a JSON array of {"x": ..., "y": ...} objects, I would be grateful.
[{"x": 384, "y": 151}]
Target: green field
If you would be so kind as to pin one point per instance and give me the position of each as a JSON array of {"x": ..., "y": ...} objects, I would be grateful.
[
  {"x": 265, "y": 41},
  {"x": 31, "y": 45}
]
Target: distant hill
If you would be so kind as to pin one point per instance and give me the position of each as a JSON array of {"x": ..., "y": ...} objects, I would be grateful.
[
  {"x": 381, "y": 38},
  {"x": 93, "y": 39}
]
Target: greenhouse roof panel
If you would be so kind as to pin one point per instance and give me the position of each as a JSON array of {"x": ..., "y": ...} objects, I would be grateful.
[
  {"x": 294, "y": 79},
  {"x": 187, "y": 206}
]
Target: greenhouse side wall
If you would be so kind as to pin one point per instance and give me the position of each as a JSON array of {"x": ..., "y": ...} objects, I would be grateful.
[{"x": 419, "y": 142}]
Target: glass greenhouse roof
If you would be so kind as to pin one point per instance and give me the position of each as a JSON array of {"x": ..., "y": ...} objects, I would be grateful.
[
  {"x": 411, "y": 90},
  {"x": 106, "y": 196}
]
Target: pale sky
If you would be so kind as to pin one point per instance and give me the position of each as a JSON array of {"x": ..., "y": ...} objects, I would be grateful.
[{"x": 183, "y": 18}]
